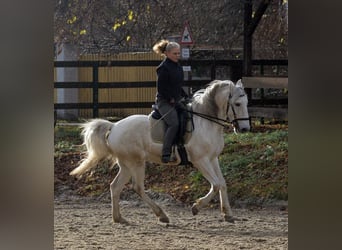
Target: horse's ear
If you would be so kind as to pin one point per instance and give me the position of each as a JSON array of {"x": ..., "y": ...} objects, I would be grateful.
[{"x": 239, "y": 84}]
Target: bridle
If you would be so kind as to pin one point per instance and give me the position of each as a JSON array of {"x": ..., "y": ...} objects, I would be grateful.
[
  {"x": 222, "y": 122},
  {"x": 235, "y": 120}
]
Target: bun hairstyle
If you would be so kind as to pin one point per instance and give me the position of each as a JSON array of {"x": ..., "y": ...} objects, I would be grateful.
[{"x": 164, "y": 45}]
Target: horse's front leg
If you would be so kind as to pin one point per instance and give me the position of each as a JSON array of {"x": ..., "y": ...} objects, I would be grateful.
[
  {"x": 212, "y": 172},
  {"x": 224, "y": 201},
  {"x": 205, "y": 167}
]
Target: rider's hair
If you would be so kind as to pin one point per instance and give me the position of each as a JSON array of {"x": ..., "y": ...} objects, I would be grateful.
[{"x": 164, "y": 45}]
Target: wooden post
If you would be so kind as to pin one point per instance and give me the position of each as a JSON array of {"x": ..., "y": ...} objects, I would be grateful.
[
  {"x": 247, "y": 43},
  {"x": 250, "y": 25},
  {"x": 236, "y": 72},
  {"x": 95, "y": 90},
  {"x": 213, "y": 70}
]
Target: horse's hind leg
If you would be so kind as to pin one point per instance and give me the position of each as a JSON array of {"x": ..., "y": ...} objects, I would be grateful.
[
  {"x": 115, "y": 189},
  {"x": 138, "y": 177}
]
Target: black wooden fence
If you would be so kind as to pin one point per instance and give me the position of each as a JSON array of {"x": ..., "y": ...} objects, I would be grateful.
[{"x": 95, "y": 85}]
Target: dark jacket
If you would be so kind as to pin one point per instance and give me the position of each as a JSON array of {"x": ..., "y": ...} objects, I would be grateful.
[{"x": 170, "y": 80}]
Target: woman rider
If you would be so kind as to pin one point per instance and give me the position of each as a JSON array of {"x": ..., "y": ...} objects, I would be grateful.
[{"x": 169, "y": 91}]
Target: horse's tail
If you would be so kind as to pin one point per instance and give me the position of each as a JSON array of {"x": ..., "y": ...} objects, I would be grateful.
[{"x": 95, "y": 135}]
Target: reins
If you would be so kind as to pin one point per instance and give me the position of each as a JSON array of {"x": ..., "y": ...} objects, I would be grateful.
[
  {"x": 210, "y": 118},
  {"x": 216, "y": 119}
]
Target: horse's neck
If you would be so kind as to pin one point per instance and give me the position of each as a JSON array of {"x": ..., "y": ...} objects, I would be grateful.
[
  {"x": 205, "y": 107},
  {"x": 207, "y": 123},
  {"x": 208, "y": 108}
]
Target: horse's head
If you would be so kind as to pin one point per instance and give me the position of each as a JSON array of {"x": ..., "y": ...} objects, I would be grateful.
[
  {"x": 222, "y": 101},
  {"x": 237, "y": 108}
]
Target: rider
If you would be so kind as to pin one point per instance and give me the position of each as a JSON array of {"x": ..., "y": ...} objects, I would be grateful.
[{"x": 169, "y": 92}]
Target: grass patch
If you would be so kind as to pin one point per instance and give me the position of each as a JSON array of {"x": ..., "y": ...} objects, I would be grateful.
[
  {"x": 67, "y": 139},
  {"x": 255, "y": 165}
]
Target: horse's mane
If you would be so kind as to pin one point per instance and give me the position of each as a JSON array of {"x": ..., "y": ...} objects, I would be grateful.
[{"x": 206, "y": 99}]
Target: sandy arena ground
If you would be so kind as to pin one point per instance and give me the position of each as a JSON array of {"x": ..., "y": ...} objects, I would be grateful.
[{"x": 86, "y": 223}]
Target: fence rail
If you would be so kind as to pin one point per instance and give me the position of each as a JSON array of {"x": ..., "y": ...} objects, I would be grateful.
[{"x": 95, "y": 85}]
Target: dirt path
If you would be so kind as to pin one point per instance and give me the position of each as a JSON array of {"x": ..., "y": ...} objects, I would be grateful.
[{"x": 85, "y": 223}]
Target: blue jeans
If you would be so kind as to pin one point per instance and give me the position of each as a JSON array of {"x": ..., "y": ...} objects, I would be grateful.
[{"x": 170, "y": 117}]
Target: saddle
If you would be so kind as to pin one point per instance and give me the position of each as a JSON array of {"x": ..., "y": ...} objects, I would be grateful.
[{"x": 186, "y": 126}]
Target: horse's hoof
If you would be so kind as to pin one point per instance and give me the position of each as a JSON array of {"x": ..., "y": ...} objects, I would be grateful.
[
  {"x": 121, "y": 221},
  {"x": 164, "y": 219},
  {"x": 229, "y": 219},
  {"x": 194, "y": 210}
]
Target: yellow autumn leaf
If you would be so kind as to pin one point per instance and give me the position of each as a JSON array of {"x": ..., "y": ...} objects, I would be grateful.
[
  {"x": 128, "y": 38},
  {"x": 83, "y": 32},
  {"x": 130, "y": 15},
  {"x": 117, "y": 25},
  {"x": 70, "y": 21},
  {"x": 123, "y": 22}
]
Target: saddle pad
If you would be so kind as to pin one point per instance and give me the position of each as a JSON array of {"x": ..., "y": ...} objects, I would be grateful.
[{"x": 157, "y": 129}]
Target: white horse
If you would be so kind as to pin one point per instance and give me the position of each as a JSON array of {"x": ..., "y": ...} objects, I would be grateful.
[{"x": 128, "y": 143}]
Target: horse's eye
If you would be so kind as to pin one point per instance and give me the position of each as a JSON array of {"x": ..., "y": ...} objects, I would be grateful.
[{"x": 237, "y": 104}]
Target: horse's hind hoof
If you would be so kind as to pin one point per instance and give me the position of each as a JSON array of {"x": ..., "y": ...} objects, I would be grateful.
[
  {"x": 121, "y": 221},
  {"x": 164, "y": 219},
  {"x": 194, "y": 210},
  {"x": 229, "y": 219}
]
